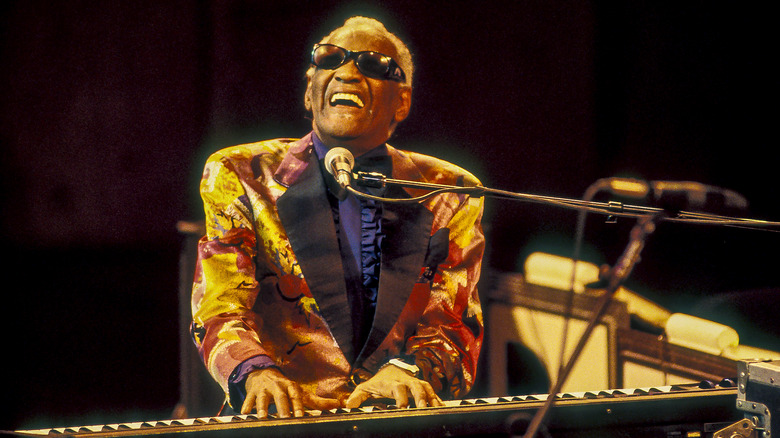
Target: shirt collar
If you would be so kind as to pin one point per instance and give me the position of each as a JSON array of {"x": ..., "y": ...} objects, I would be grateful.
[{"x": 321, "y": 149}]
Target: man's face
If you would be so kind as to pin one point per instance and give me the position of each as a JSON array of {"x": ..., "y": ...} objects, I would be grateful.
[{"x": 350, "y": 109}]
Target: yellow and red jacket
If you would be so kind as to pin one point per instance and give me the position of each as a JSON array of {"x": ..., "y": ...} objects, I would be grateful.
[{"x": 269, "y": 278}]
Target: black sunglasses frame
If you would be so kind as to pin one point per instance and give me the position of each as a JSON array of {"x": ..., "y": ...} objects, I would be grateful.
[{"x": 394, "y": 72}]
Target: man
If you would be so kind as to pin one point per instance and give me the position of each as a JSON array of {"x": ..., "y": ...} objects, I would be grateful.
[{"x": 307, "y": 297}]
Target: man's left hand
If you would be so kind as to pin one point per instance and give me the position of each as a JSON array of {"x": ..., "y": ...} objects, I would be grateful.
[{"x": 395, "y": 383}]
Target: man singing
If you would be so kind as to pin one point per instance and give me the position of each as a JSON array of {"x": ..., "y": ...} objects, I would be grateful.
[{"x": 308, "y": 297}]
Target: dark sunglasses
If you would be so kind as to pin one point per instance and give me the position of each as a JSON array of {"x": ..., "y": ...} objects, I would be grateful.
[{"x": 371, "y": 64}]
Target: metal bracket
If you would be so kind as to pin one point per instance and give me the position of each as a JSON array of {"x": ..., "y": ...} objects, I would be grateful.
[
  {"x": 741, "y": 429},
  {"x": 758, "y": 394},
  {"x": 761, "y": 416}
]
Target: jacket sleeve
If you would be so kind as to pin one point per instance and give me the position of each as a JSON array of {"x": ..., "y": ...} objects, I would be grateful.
[
  {"x": 225, "y": 287},
  {"x": 448, "y": 337}
]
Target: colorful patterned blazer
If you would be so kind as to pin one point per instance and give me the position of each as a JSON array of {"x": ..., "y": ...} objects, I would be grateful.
[{"x": 269, "y": 277}]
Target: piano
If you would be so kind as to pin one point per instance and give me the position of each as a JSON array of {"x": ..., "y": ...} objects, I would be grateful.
[{"x": 684, "y": 411}]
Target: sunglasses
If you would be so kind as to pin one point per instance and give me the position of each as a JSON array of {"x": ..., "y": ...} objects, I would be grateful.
[{"x": 371, "y": 64}]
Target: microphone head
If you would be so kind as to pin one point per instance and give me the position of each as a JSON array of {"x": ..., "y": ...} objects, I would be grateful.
[
  {"x": 629, "y": 187},
  {"x": 338, "y": 157},
  {"x": 676, "y": 195},
  {"x": 679, "y": 195}
]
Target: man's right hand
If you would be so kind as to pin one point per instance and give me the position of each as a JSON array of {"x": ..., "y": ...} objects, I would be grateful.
[{"x": 269, "y": 385}]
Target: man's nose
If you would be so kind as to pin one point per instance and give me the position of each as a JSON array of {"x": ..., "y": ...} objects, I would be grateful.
[{"x": 348, "y": 72}]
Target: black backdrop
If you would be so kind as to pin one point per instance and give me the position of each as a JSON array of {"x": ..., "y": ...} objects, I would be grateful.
[{"x": 109, "y": 109}]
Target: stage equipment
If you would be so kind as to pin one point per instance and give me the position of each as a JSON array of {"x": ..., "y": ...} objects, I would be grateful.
[
  {"x": 759, "y": 398},
  {"x": 646, "y": 221},
  {"x": 523, "y": 313}
]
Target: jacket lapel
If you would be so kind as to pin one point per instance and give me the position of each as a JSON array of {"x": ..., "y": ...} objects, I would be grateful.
[
  {"x": 407, "y": 228},
  {"x": 306, "y": 216}
]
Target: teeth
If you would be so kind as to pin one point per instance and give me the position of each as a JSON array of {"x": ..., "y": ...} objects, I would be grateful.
[{"x": 346, "y": 96}]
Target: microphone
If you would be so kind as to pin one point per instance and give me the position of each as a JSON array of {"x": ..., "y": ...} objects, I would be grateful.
[
  {"x": 677, "y": 195},
  {"x": 339, "y": 163}
]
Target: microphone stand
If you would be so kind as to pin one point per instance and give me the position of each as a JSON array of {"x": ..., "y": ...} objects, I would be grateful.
[
  {"x": 647, "y": 217},
  {"x": 611, "y": 208},
  {"x": 616, "y": 277}
]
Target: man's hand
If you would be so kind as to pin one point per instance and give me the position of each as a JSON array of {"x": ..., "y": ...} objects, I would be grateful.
[
  {"x": 269, "y": 385},
  {"x": 395, "y": 383}
]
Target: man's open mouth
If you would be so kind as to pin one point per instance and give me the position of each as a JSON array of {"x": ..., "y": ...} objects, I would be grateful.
[{"x": 348, "y": 99}]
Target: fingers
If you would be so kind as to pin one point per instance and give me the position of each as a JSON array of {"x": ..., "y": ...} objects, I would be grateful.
[
  {"x": 282, "y": 401},
  {"x": 259, "y": 401},
  {"x": 428, "y": 395},
  {"x": 249, "y": 403},
  {"x": 401, "y": 395},
  {"x": 266, "y": 386},
  {"x": 423, "y": 394},
  {"x": 313, "y": 401},
  {"x": 419, "y": 395},
  {"x": 294, "y": 393},
  {"x": 357, "y": 398},
  {"x": 263, "y": 401},
  {"x": 398, "y": 385},
  {"x": 271, "y": 386}
]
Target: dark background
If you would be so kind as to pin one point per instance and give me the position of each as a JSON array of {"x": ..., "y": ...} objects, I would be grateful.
[{"x": 109, "y": 109}]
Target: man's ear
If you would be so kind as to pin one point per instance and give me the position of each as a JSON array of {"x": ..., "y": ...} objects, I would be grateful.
[
  {"x": 402, "y": 111},
  {"x": 307, "y": 94}
]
